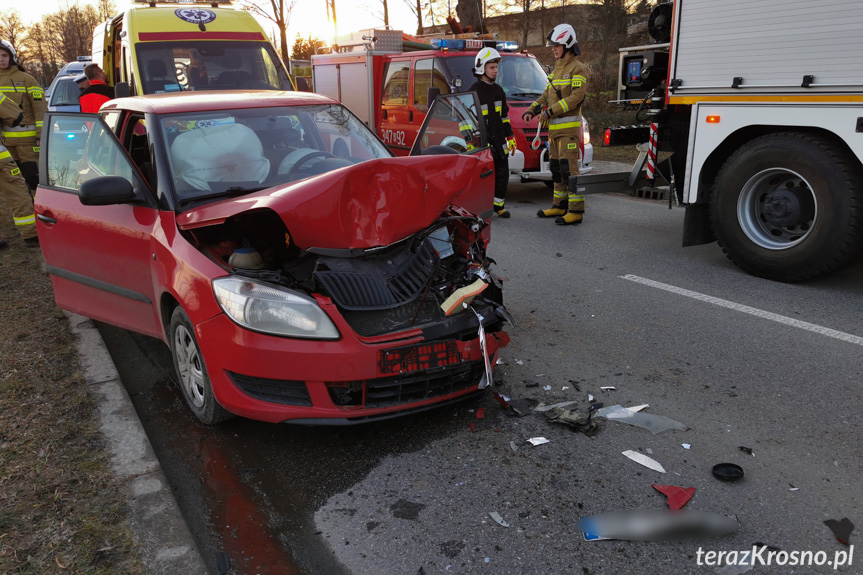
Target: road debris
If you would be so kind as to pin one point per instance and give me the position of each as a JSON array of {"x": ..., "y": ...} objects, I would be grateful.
[
  {"x": 686, "y": 445},
  {"x": 498, "y": 519},
  {"x": 841, "y": 529},
  {"x": 546, "y": 388},
  {"x": 538, "y": 440},
  {"x": 577, "y": 421},
  {"x": 638, "y": 407},
  {"x": 644, "y": 460},
  {"x": 727, "y": 472},
  {"x": 677, "y": 497},
  {"x": 589, "y": 398},
  {"x": 608, "y": 388},
  {"x": 542, "y": 407},
  {"x": 480, "y": 413},
  {"x": 531, "y": 383},
  {"x": 519, "y": 362},
  {"x": 747, "y": 450},
  {"x": 653, "y": 423},
  {"x": 513, "y": 445},
  {"x": 655, "y": 525}
]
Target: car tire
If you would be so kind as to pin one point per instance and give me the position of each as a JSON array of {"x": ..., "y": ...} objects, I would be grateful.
[
  {"x": 803, "y": 179},
  {"x": 192, "y": 372}
]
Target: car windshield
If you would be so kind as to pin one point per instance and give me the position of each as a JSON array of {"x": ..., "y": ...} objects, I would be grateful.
[
  {"x": 233, "y": 152},
  {"x": 65, "y": 93},
  {"x": 520, "y": 77},
  {"x": 209, "y": 65}
]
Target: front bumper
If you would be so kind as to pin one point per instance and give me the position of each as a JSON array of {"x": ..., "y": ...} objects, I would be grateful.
[{"x": 351, "y": 380}]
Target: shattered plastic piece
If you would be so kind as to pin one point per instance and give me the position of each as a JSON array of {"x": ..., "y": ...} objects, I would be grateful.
[
  {"x": 519, "y": 362},
  {"x": 502, "y": 400},
  {"x": 519, "y": 407},
  {"x": 677, "y": 496},
  {"x": 542, "y": 407},
  {"x": 538, "y": 440},
  {"x": 653, "y": 423},
  {"x": 655, "y": 525},
  {"x": 461, "y": 297},
  {"x": 793, "y": 489},
  {"x": 480, "y": 413},
  {"x": 638, "y": 408},
  {"x": 747, "y": 450},
  {"x": 499, "y": 361},
  {"x": 564, "y": 388},
  {"x": 644, "y": 460},
  {"x": 589, "y": 397},
  {"x": 513, "y": 445},
  {"x": 472, "y": 428},
  {"x": 498, "y": 519},
  {"x": 594, "y": 407},
  {"x": 546, "y": 388},
  {"x": 649, "y": 451},
  {"x": 608, "y": 388},
  {"x": 686, "y": 445},
  {"x": 577, "y": 421},
  {"x": 530, "y": 383},
  {"x": 841, "y": 529}
]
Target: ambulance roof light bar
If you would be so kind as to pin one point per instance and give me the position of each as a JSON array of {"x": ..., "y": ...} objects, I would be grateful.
[{"x": 445, "y": 44}]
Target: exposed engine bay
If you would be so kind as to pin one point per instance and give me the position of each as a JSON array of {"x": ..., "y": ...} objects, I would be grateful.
[{"x": 380, "y": 290}]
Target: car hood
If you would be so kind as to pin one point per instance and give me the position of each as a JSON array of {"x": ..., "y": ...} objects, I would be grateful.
[{"x": 374, "y": 203}]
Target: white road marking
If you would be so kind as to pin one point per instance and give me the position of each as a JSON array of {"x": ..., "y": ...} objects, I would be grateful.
[{"x": 840, "y": 335}]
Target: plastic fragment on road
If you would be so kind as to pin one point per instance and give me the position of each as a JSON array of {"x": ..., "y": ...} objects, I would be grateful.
[
  {"x": 638, "y": 408},
  {"x": 498, "y": 519},
  {"x": 486, "y": 378},
  {"x": 542, "y": 407},
  {"x": 519, "y": 407},
  {"x": 653, "y": 423},
  {"x": 747, "y": 450},
  {"x": 538, "y": 440},
  {"x": 480, "y": 413},
  {"x": 686, "y": 445},
  {"x": 546, "y": 388},
  {"x": 499, "y": 361},
  {"x": 655, "y": 525},
  {"x": 841, "y": 529},
  {"x": 577, "y": 421},
  {"x": 677, "y": 497},
  {"x": 644, "y": 460},
  {"x": 519, "y": 362},
  {"x": 793, "y": 489},
  {"x": 589, "y": 397},
  {"x": 461, "y": 298},
  {"x": 608, "y": 388},
  {"x": 513, "y": 445}
]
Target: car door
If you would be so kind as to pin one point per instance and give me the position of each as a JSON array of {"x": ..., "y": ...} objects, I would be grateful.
[
  {"x": 452, "y": 126},
  {"x": 396, "y": 126},
  {"x": 99, "y": 257}
]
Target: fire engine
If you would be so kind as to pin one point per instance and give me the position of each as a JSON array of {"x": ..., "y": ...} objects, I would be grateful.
[
  {"x": 187, "y": 46},
  {"x": 761, "y": 104},
  {"x": 389, "y": 79}
]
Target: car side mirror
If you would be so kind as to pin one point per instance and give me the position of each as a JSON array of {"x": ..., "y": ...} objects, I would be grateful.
[
  {"x": 122, "y": 90},
  {"x": 106, "y": 191},
  {"x": 432, "y": 94}
]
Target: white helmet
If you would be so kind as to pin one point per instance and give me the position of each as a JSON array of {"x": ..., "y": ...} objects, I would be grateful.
[
  {"x": 485, "y": 56},
  {"x": 5, "y": 45},
  {"x": 563, "y": 35}
]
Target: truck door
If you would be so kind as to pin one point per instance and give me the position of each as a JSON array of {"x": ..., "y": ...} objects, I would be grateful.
[
  {"x": 397, "y": 114},
  {"x": 452, "y": 127}
]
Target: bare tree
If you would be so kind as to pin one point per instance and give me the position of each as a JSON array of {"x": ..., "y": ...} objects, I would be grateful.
[
  {"x": 278, "y": 12},
  {"x": 14, "y": 30}
]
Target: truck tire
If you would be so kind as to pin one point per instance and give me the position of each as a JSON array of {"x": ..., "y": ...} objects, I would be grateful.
[{"x": 787, "y": 207}]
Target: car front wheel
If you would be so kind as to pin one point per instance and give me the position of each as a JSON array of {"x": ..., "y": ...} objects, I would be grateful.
[{"x": 192, "y": 373}]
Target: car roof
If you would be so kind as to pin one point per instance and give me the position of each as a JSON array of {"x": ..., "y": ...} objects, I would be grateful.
[{"x": 183, "y": 102}]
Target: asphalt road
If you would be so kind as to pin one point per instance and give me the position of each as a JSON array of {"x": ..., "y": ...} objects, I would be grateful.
[{"x": 614, "y": 302}]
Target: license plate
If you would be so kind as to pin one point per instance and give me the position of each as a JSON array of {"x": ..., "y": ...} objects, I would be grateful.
[{"x": 420, "y": 357}]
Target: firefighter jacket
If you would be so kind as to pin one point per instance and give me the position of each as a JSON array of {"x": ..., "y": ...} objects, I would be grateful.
[
  {"x": 568, "y": 79},
  {"x": 495, "y": 112},
  {"x": 22, "y": 89},
  {"x": 10, "y": 116},
  {"x": 93, "y": 97}
]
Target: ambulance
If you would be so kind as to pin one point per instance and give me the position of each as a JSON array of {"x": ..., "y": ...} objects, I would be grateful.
[
  {"x": 152, "y": 49},
  {"x": 389, "y": 79}
]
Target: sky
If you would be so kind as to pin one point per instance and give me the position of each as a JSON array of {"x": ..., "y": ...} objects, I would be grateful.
[{"x": 308, "y": 16}]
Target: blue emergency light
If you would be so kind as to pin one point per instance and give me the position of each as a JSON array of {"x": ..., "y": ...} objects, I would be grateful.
[
  {"x": 507, "y": 46},
  {"x": 473, "y": 44},
  {"x": 447, "y": 44}
]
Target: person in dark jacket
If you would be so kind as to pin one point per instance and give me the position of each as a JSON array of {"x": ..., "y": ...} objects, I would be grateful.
[
  {"x": 97, "y": 93},
  {"x": 495, "y": 112}
]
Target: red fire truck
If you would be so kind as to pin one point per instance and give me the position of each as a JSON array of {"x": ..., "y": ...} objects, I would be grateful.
[{"x": 389, "y": 79}]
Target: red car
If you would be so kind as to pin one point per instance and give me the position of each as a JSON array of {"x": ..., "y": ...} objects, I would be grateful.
[{"x": 298, "y": 271}]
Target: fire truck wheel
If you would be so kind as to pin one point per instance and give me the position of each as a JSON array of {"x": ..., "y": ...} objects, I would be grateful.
[
  {"x": 789, "y": 206},
  {"x": 192, "y": 373}
]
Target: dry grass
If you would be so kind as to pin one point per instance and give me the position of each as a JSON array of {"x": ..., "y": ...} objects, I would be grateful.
[{"x": 61, "y": 508}]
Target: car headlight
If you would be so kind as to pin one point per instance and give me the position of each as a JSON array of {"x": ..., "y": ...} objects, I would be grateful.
[{"x": 272, "y": 309}]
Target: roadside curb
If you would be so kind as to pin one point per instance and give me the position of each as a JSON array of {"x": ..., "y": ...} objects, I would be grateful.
[{"x": 161, "y": 533}]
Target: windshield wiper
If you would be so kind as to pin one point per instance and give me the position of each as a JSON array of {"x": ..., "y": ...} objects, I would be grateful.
[{"x": 230, "y": 192}]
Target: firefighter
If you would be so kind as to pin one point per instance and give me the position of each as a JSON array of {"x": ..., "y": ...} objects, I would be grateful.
[
  {"x": 560, "y": 106},
  {"x": 22, "y": 141},
  {"x": 495, "y": 111},
  {"x": 11, "y": 183}
]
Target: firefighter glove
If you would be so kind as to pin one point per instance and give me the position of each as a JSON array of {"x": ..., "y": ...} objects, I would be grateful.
[
  {"x": 510, "y": 146},
  {"x": 546, "y": 114}
]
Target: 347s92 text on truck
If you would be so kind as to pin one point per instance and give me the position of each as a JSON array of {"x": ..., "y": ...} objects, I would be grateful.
[{"x": 761, "y": 103}]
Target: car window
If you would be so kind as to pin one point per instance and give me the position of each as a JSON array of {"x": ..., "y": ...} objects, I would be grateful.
[
  {"x": 65, "y": 93},
  {"x": 396, "y": 83},
  {"x": 79, "y": 149},
  {"x": 451, "y": 122},
  {"x": 249, "y": 149},
  {"x": 428, "y": 74}
]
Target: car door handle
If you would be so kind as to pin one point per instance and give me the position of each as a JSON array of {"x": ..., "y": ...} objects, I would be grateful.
[
  {"x": 411, "y": 116},
  {"x": 46, "y": 219},
  {"x": 486, "y": 174}
]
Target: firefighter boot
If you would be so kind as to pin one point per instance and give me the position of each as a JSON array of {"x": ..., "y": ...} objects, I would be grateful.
[
  {"x": 558, "y": 207},
  {"x": 501, "y": 211},
  {"x": 574, "y": 214}
]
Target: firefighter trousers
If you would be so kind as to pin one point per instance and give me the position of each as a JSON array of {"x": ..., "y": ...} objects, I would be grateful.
[
  {"x": 17, "y": 196},
  {"x": 27, "y": 157},
  {"x": 563, "y": 162}
]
